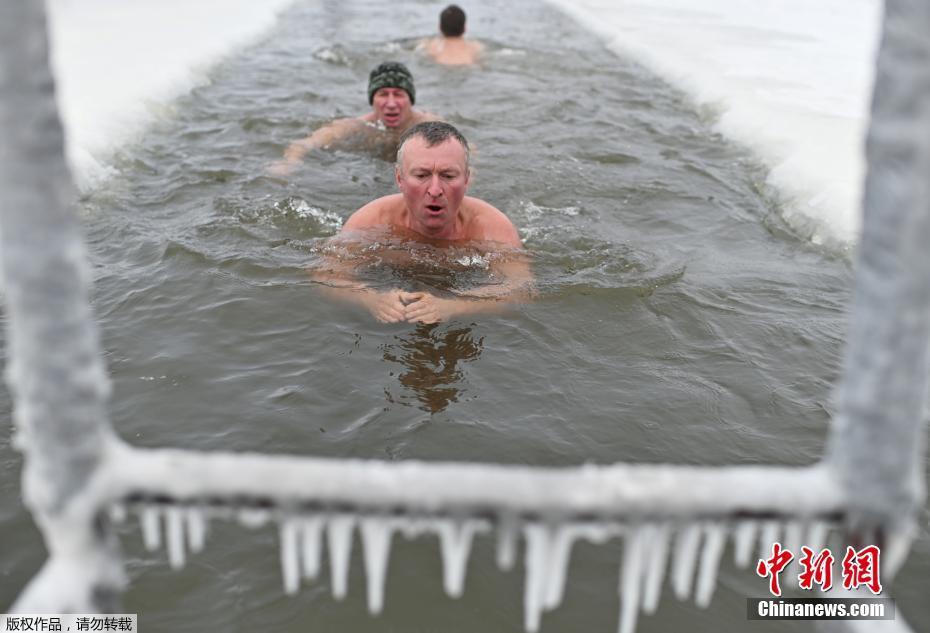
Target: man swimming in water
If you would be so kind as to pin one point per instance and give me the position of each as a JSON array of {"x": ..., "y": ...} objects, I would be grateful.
[
  {"x": 432, "y": 172},
  {"x": 452, "y": 48},
  {"x": 391, "y": 94}
]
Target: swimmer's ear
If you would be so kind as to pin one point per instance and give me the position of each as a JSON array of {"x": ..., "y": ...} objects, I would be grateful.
[{"x": 397, "y": 175}]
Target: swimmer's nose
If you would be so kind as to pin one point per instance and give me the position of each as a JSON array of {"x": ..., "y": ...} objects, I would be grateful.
[{"x": 434, "y": 189}]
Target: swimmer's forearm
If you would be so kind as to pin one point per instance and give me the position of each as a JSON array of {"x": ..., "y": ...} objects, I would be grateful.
[
  {"x": 476, "y": 304},
  {"x": 296, "y": 151},
  {"x": 479, "y": 306},
  {"x": 293, "y": 155},
  {"x": 357, "y": 294},
  {"x": 512, "y": 282},
  {"x": 385, "y": 305},
  {"x": 515, "y": 287},
  {"x": 504, "y": 293}
]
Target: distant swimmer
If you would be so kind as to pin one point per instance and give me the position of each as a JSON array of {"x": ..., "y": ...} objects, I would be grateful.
[
  {"x": 432, "y": 172},
  {"x": 391, "y": 94},
  {"x": 451, "y": 48}
]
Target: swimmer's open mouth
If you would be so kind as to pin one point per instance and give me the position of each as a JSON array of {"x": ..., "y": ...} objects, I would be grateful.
[{"x": 435, "y": 208}]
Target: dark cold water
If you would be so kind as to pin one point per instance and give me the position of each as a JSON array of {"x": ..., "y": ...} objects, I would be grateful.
[{"x": 676, "y": 319}]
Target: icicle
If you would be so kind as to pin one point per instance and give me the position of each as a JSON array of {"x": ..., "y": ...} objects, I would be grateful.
[
  {"x": 339, "y": 532},
  {"x": 743, "y": 538},
  {"x": 536, "y": 562},
  {"x": 412, "y": 528},
  {"x": 196, "y": 529},
  {"x": 253, "y": 518},
  {"x": 597, "y": 533},
  {"x": 310, "y": 532},
  {"x": 506, "y": 543},
  {"x": 290, "y": 565},
  {"x": 151, "y": 530},
  {"x": 117, "y": 513},
  {"x": 455, "y": 544},
  {"x": 794, "y": 534},
  {"x": 376, "y": 539},
  {"x": 559, "y": 556},
  {"x": 631, "y": 576},
  {"x": 897, "y": 543},
  {"x": 686, "y": 545},
  {"x": 655, "y": 569},
  {"x": 817, "y": 536},
  {"x": 174, "y": 536},
  {"x": 714, "y": 539},
  {"x": 769, "y": 535}
]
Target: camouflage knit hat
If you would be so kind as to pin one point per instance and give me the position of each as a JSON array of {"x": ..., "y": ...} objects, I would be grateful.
[{"x": 391, "y": 75}]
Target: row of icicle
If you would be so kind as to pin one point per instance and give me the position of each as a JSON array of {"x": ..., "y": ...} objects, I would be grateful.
[{"x": 647, "y": 548}]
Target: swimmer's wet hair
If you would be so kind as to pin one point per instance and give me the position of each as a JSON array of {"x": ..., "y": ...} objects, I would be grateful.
[
  {"x": 434, "y": 133},
  {"x": 452, "y": 21}
]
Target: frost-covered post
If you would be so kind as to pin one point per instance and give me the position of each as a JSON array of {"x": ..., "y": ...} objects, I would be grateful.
[
  {"x": 877, "y": 439},
  {"x": 54, "y": 369}
]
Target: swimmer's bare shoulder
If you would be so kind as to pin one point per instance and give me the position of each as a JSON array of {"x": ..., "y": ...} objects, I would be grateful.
[
  {"x": 381, "y": 212},
  {"x": 429, "y": 44},
  {"x": 453, "y": 51},
  {"x": 486, "y": 222},
  {"x": 423, "y": 117}
]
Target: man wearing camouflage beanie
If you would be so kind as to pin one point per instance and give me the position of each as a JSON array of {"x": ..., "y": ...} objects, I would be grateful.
[{"x": 391, "y": 94}]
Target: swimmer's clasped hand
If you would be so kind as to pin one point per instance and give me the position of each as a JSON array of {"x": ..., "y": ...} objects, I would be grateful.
[{"x": 396, "y": 306}]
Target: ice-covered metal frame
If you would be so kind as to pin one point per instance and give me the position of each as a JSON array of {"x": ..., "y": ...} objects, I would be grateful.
[{"x": 79, "y": 476}]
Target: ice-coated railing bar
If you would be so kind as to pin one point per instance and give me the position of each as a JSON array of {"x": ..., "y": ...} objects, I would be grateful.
[
  {"x": 181, "y": 477},
  {"x": 76, "y": 472}
]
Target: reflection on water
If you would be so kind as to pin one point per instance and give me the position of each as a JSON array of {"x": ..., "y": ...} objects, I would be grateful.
[
  {"x": 431, "y": 356},
  {"x": 431, "y": 359}
]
